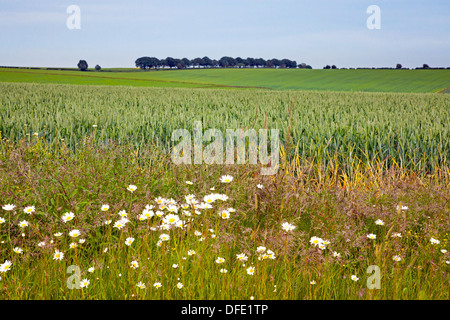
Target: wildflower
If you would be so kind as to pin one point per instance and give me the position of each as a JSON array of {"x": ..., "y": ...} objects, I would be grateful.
[
  {"x": 225, "y": 214},
  {"x": 322, "y": 246},
  {"x": 171, "y": 219},
  {"x": 164, "y": 237},
  {"x": 140, "y": 285},
  {"x": 131, "y": 188},
  {"x": 242, "y": 257},
  {"x": 191, "y": 252},
  {"x": 94, "y": 126},
  {"x": 84, "y": 283},
  {"x": 2, "y": 220},
  {"x": 336, "y": 254},
  {"x": 172, "y": 208},
  {"x": 148, "y": 213},
  {"x": 134, "y": 264},
  {"x": 91, "y": 269},
  {"x": 287, "y": 227},
  {"x": 434, "y": 241},
  {"x": 396, "y": 258},
  {"x": 180, "y": 224},
  {"x": 447, "y": 261},
  {"x": 260, "y": 249},
  {"x": 129, "y": 241},
  {"x": 220, "y": 260},
  {"x": 443, "y": 251},
  {"x": 379, "y": 222},
  {"x": 226, "y": 179},
  {"x": 197, "y": 233},
  {"x": 68, "y": 216},
  {"x": 270, "y": 254},
  {"x": 179, "y": 285},
  {"x": 372, "y": 236},
  {"x": 74, "y": 233},
  {"x": 58, "y": 234},
  {"x": 8, "y": 207},
  {"x": 354, "y": 278},
  {"x": 159, "y": 214},
  {"x": 250, "y": 270},
  {"x": 29, "y": 209},
  {"x": 123, "y": 213},
  {"x": 81, "y": 241},
  {"x": 104, "y": 250},
  {"x": 120, "y": 223},
  {"x": 73, "y": 245},
  {"x": 222, "y": 197},
  {"x": 189, "y": 182},
  {"x": 41, "y": 244},
  {"x": 105, "y": 207},
  {"x": 5, "y": 266},
  {"x": 58, "y": 255},
  {"x": 312, "y": 282},
  {"x": 316, "y": 241},
  {"x": 157, "y": 285},
  {"x": 396, "y": 235},
  {"x": 160, "y": 200},
  {"x": 209, "y": 198},
  {"x": 18, "y": 250},
  {"x": 107, "y": 222},
  {"x": 175, "y": 266},
  {"x": 23, "y": 224},
  {"x": 401, "y": 207},
  {"x": 223, "y": 270},
  {"x": 260, "y": 186}
]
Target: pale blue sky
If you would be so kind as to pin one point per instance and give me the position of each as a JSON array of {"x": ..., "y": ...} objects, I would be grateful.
[{"x": 318, "y": 32}]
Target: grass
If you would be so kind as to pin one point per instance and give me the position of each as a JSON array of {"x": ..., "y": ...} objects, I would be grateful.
[
  {"x": 347, "y": 161},
  {"x": 82, "y": 181},
  {"x": 408, "y": 129},
  {"x": 281, "y": 79}
]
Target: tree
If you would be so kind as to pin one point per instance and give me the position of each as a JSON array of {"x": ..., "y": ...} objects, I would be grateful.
[
  {"x": 333, "y": 67},
  {"x": 171, "y": 62},
  {"x": 206, "y": 62},
  {"x": 399, "y": 66},
  {"x": 425, "y": 66},
  {"x": 186, "y": 62},
  {"x": 97, "y": 67},
  {"x": 147, "y": 62},
  {"x": 327, "y": 67},
  {"x": 197, "y": 62},
  {"x": 82, "y": 65}
]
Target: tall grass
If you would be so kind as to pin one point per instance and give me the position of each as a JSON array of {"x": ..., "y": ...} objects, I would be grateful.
[
  {"x": 406, "y": 130},
  {"x": 81, "y": 181}
]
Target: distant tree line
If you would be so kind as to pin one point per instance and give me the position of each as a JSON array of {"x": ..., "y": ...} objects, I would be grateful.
[
  {"x": 224, "y": 62},
  {"x": 398, "y": 66}
]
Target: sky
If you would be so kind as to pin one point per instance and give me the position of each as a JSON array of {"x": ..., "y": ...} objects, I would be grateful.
[{"x": 316, "y": 32}]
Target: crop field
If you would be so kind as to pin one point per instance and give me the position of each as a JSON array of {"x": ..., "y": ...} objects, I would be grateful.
[
  {"x": 282, "y": 79},
  {"x": 94, "y": 207}
]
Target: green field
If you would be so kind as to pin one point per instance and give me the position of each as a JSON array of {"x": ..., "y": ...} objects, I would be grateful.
[
  {"x": 363, "y": 180},
  {"x": 408, "y": 129},
  {"x": 282, "y": 79}
]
